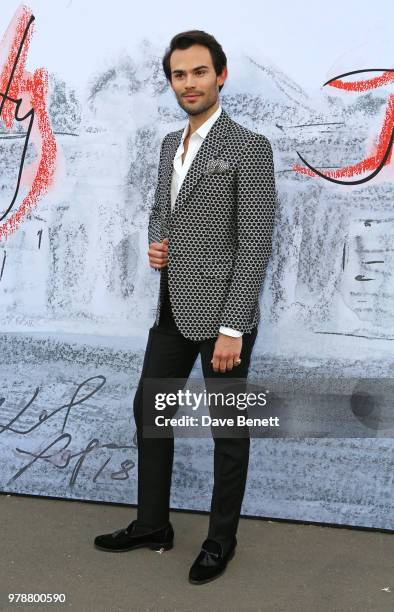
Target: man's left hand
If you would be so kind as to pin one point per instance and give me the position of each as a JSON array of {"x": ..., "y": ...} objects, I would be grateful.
[{"x": 227, "y": 351}]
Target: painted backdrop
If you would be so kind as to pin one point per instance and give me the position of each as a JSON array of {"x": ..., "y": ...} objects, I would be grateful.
[{"x": 84, "y": 105}]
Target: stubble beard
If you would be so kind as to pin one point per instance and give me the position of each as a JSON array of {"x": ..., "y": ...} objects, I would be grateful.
[{"x": 190, "y": 110}]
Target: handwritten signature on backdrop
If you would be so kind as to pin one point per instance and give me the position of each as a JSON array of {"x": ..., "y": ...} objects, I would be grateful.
[{"x": 57, "y": 452}]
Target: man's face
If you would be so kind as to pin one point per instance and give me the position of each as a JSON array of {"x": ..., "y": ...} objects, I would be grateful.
[{"x": 194, "y": 80}]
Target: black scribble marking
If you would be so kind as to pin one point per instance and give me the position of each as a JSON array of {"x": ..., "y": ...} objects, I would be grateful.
[
  {"x": 290, "y": 127},
  {"x": 373, "y": 250},
  {"x": 66, "y": 133},
  {"x": 101, "y": 469},
  {"x": 283, "y": 83},
  {"x": 61, "y": 457},
  {"x": 355, "y": 335},
  {"x": 29, "y": 114},
  {"x": 11, "y": 136},
  {"x": 357, "y": 181},
  {"x": 368, "y": 222},
  {"x": 39, "y": 238},
  {"x": 3, "y": 264},
  {"x": 372, "y": 261},
  {"x": 123, "y": 474},
  {"x": 385, "y": 156},
  {"x": 361, "y": 277},
  {"x": 291, "y": 169},
  {"x": 44, "y": 416},
  {"x": 343, "y": 256},
  {"x": 372, "y": 293},
  {"x": 345, "y": 74}
]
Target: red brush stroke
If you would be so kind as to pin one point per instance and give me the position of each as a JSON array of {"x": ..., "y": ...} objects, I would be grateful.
[
  {"x": 371, "y": 162},
  {"x": 32, "y": 89},
  {"x": 364, "y": 85}
]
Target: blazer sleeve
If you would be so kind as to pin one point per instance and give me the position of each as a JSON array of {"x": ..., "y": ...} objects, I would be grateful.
[
  {"x": 154, "y": 224},
  {"x": 256, "y": 206}
]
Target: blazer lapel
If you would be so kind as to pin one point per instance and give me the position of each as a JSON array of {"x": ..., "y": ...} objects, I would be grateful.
[
  {"x": 169, "y": 166},
  {"x": 209, "y": 149}
]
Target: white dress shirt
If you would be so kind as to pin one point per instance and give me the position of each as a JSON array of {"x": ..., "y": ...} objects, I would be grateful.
[{"x": 180, "y": 170}]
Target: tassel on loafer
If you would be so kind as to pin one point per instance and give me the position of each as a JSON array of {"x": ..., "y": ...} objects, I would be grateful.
[
  {"x": 129, "y": 539},
  {"x": 211, "y": 562}
]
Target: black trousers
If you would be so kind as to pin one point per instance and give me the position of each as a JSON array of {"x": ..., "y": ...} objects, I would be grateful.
[{"x": 169, "y": 354}]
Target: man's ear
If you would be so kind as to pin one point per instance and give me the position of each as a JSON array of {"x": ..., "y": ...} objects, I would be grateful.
[{"x": 222, "y": 76}]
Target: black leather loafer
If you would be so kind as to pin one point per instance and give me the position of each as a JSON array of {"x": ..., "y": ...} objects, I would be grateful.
[
  {"x": 211, "y": 562},
  {"x": 129, "y": 539}
]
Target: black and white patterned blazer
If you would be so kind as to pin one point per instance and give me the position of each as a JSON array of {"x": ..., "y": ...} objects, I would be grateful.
[{"x": 220, "y": 232}]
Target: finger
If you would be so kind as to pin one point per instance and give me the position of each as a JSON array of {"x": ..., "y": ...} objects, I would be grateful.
[
  {"x": 158, "y": 265},
  {"x": 230, "y": 364},
  {"x": 222, "y": 365},
  {"x": 159, "y": 246},
  {"x": 157, "y": 262},
  {"x": 158, "y": 257},
  {"x": 157, "y": 252},
  {"x": 215, "y": 363}
]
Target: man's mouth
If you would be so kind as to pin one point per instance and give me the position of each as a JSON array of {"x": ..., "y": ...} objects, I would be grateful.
[{"x": 191, "y": 96}]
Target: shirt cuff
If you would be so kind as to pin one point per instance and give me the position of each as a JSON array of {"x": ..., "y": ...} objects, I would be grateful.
[{"x": 230, "y": 332}]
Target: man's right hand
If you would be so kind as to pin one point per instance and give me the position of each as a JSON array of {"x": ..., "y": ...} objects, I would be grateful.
[{"x": 158, "y": 254}]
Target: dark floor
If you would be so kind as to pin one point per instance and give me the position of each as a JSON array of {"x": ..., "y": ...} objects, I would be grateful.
[{"x": 47, "y": 547}]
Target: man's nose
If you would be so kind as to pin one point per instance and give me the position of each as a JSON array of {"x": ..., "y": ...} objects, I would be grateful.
[{"x": 190, "y": 81}]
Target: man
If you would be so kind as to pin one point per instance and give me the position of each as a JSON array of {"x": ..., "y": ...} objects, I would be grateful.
[{"x": 210, "y": 233}]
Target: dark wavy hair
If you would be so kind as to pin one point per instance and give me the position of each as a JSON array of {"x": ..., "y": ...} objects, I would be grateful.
[{"x": 184, "y": 40}]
